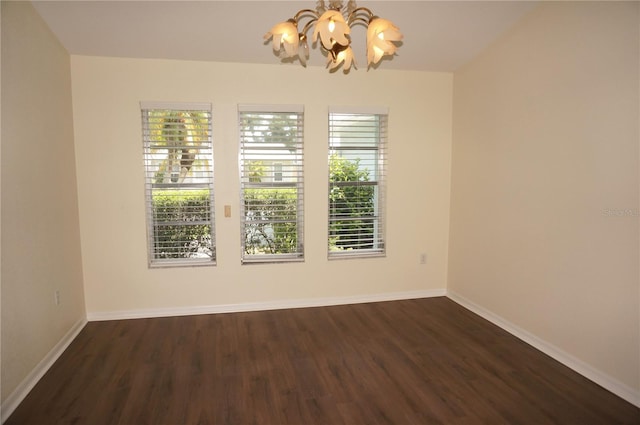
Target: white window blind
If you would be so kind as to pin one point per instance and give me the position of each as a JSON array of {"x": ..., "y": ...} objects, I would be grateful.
[
  {"x": 357, "y": 159},
  {"x": 272, "y": 195},
  {"x": 178, "y": 158}
]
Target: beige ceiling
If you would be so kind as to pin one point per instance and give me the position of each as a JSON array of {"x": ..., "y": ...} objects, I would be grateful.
[{"x": 439, "y": 35}]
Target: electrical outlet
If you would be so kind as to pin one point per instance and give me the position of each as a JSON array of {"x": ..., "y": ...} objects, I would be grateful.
[
  {"x": 56, "y": 297},
  {"x": 423, "y": 258}
]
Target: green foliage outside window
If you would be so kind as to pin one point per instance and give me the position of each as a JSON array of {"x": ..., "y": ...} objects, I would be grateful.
[
  {"x": 349, "y": 205},
  {"x": 181, "y": 224},
  {"x": 271, "y": 221},
  {"x": 257, "y": 171}
]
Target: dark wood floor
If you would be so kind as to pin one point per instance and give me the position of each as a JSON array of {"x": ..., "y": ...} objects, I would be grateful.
[{"x": 426, "y": 361}]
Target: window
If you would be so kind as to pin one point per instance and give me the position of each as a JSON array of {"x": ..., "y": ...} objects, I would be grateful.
[
  {"x": 277, "y": 172},
  {"x": 178, "y": 158},
  {"x": 271, "y": 183},
  {"x": 356, "y": 183}
]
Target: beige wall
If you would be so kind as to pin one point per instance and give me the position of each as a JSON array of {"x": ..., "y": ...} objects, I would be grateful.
[
  {"x": 544, "y": 215},
  {"x": 40, "y": 230},
  {"x": 106, "y": 96}
]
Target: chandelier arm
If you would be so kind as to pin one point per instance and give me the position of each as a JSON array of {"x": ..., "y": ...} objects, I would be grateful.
[
  {"x": 353, "y": 21},
  {"x": 308, "y": 25},
  {"x": 303, "y": 12},
  {"x": 353, "y": 15}
]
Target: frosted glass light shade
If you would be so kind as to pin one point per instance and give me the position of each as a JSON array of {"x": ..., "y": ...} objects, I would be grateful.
[
  {"x": 284, "y": 34},
  {"x": 381, "y": 34},
  {"x": 332, "y": 28},
  {"x": 341, "y": 54},
  {"x": 303, "y": 54}
]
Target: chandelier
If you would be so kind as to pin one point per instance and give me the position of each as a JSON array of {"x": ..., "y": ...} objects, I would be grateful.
[{"x": 333, "y": 28}]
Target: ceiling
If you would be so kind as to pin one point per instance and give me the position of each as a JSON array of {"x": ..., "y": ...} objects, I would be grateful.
[{"x": 438, "y": 35}]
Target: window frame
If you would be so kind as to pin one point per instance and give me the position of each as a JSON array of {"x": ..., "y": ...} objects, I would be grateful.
[
  {"x": 295, "y": 171},
  {"x": 152, "y": 186},
  {"x": 381, "y": 115}
]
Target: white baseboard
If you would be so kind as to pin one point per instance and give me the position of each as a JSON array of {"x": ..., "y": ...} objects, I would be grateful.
[
  {"x": 618, "y": 388},
  {"x": 15, "y": 398},
  {"x": 270, "y": 305}
]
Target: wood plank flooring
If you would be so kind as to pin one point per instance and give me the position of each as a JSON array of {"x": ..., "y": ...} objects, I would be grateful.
[{"x": 425, "y": 361}]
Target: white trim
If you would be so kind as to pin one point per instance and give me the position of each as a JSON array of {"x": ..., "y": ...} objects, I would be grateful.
[
  {"x": 261, "y": 306},
  {"x": 247, "y": 107},
  {"x": 604, "y": 380},
  {"x": 357, "y": 110},
  {"x": 186, "y": 106},
  {"x": 15, "y": 398}
]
